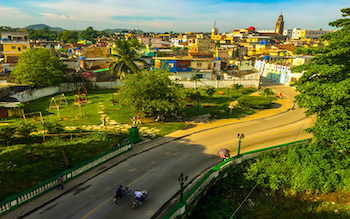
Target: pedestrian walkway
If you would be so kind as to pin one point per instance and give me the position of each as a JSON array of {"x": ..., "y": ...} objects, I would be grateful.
[{"x": 280, "y": 106}]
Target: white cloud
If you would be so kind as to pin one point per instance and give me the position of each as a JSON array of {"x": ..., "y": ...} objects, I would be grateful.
[
  {"x": 11, "y": 16},
  {"x": 56, "y": 16}
]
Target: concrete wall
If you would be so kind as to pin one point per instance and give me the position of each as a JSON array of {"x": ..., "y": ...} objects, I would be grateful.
[
  {"x": 220, "y": 83},
  {"x": 26, "y": 96},
  {"x": 251, "y": 80}
]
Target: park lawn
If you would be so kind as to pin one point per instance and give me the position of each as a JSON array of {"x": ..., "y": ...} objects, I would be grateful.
[
  {"x": 218, "y": 101},
  {"x": 70, "y": 114}
]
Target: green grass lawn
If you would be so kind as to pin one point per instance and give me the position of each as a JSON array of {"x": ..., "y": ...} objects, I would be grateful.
[
  {"x": 88, "y": 114},
  {"x": 218, "y": 101}
]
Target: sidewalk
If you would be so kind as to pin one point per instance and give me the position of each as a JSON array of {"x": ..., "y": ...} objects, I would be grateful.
[{"x": 280, "y": 106}]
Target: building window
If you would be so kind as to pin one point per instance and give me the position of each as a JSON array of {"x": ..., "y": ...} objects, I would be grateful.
[
  {"x": 199, "y": 75},
  {"x": 19, "y": 49},
  {"x": 13, "y": 47},
  {"x": 171, "y": 65},
  {"x": 199, "y": 64},
  {"x": 24, "y": 47}
]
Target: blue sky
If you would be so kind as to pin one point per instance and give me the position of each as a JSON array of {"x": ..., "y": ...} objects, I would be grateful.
[{"x": 171, "y": 15}]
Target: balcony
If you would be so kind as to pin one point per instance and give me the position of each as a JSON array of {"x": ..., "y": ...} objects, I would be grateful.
[{"x": 15, "y": 42}]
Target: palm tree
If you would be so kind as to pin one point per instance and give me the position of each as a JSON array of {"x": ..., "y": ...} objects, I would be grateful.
[{"x": 125, "y": 55}]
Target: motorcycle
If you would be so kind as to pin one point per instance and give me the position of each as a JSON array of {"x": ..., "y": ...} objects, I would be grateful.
[
  {"x": 126, "y": 193},
  {"x": 138, "y": 202}
]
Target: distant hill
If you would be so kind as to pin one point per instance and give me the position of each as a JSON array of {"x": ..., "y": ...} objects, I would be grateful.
[
  {"x": 42, "y": 26},
  {"x": 117, "y": 30}
]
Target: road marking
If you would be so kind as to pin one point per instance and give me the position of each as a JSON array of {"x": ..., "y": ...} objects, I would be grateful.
[{"x": 113, "y": 195}]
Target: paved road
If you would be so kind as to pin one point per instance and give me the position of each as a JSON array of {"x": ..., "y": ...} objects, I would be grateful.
[{"x": 157, "y": 170}]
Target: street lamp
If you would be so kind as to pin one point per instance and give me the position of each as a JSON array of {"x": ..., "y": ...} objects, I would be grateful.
[
  {"x": 182, "y": 179},
  {"x": 240, "y": 137}
]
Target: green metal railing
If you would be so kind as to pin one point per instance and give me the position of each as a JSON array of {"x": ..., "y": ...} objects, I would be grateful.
[
  {"x": 179, "y": 209},
  {"x": 15, "y": 201}
]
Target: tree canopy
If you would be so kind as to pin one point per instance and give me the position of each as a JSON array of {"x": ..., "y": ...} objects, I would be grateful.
[
  {"x": 324, "y": 87},
  {"x": 38, "y": 67},
  {"x": 150, "y": 92},
  {"x": 125, "y": 56}
]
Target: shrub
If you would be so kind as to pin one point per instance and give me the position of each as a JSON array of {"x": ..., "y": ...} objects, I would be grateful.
[
  {"x": 236, "y": 86},
  {"x": 255, "y": 102},
  {"x": 53, "y": 127},
  {"x": 268, "y": 91},
  {"x": 248, "y": 90},
  {"x": 210, "y": 91},
  {"x": 6, "y": 133},
  {"x": 24, "y": 129},
  {"x": 215, "y": 114}
]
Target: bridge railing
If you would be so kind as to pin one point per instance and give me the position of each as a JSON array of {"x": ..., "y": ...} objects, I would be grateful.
[
  {"x": 17, "y": 200},
  {"x": 179, "y": 209}
]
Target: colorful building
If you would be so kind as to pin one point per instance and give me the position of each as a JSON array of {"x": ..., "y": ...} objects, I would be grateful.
[{"x": 14, "y": 43}]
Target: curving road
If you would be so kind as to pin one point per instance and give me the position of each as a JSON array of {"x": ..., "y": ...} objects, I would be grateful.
[{"x": 157, "y": 170}]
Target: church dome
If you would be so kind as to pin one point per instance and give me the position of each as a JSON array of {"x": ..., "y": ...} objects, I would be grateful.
[{"x": 251, "y": 28}]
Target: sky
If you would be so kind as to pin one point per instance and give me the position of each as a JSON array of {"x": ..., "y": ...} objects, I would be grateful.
[{"x": 171, "y": 15}]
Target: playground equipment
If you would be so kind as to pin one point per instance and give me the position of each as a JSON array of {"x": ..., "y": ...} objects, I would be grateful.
[
  {"x": 114, "y": 98},
  {"x": 37, "y": 116},
  {"x": 81, "y": 98},
  {"x": 58, "y": 101}
]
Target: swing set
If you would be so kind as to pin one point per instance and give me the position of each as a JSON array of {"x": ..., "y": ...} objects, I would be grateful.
[{"x": 58, "y": 101}]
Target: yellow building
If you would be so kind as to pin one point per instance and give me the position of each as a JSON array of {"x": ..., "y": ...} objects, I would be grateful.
[{"x": 14, "y": 43}]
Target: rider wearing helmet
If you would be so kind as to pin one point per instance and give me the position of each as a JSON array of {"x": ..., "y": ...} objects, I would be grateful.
[{"x": 139, "y": 195}]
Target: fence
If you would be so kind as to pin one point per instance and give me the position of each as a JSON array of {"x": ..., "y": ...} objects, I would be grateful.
[
  {"x": 25, "y": 196},
  {"x": 178, "y": 210}
]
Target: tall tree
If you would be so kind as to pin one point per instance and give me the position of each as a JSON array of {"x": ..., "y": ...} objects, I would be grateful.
[
  {"x": 150, "y": 92},
  {"x": 324, "y": 87},
  {"x": 125, "y": 56},
  {"x": 68, "y": 36},
  {"x": 38, "y": 67}
]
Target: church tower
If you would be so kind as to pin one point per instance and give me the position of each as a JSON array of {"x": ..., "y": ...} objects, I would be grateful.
[
  {"x": 279, "y": 25},
  {"x": 214, "y": 31}
]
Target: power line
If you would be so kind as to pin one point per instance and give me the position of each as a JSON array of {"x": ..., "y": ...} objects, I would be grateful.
[{"x": 243, "y": 201}]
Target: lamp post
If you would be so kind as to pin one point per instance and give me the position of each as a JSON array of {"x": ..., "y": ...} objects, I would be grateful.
[
  {"x": 182, "y": 179},
  {"x": 240, "y": 137}
]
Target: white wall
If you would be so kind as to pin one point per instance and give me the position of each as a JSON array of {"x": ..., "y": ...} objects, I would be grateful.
[
  {"x": 26, "y": 96},
  {"x": 221, "y": 83},
  {"x": 251, "y": 80}
]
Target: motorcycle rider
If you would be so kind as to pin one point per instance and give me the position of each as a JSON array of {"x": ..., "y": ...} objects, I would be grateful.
[
  {"x": 139, "y": 196},
  {"x": 119, "y": 192}
]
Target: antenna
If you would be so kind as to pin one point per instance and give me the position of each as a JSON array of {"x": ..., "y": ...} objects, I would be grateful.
[
  {"x": 214, "y": 24},
  {"x": 137, "y": 23}
]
